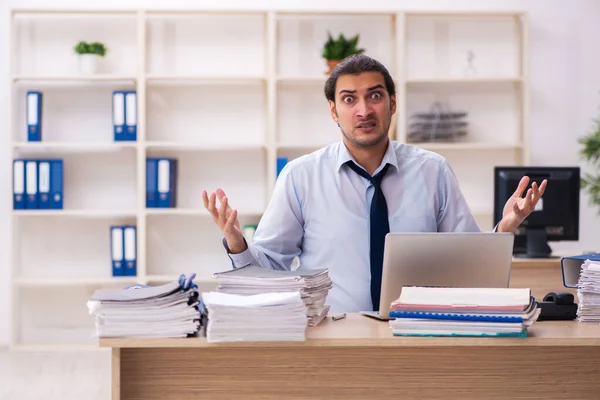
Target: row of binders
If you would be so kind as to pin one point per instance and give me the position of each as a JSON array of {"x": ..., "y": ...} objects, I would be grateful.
[
  {"x": 37, "y": 184},
  {"x": 124, "y": 115},
  {"x": 161, "y": 182},
  {"x": 451, "y": 311},
  {"x": 123, "y": 248}
]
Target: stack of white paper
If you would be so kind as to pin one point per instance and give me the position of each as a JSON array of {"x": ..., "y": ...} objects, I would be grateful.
[
  {"x": 588, "y": 292},
  {"x": 313, "y": 285},
  {"x": 431, "y": 311},
  {"x": 261, "y": 317},
  {"x": 140, "y": 311}
]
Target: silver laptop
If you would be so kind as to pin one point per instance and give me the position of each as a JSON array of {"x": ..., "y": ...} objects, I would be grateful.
[{"x": 450, "y": 259}]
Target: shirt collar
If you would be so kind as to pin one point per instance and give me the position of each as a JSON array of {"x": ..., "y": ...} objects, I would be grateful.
[{"x": 389, "y": 157}]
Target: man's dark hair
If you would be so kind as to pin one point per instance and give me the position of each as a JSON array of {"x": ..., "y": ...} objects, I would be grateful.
[{"x": 354, "y": 65}]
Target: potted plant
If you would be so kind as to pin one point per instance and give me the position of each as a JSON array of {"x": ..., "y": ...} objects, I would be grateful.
[
  {"x": 89, "y": 56},
  {"x": 335, "y": 50},
  {"x": 591, "y": 153}
]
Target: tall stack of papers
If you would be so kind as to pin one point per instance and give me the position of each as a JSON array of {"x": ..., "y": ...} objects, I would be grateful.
[
  {"x": 431, "y": 311},
  {"x": 313, "y": 285},
  {"x": 588, "y": 292},
  {"x": 261, "y": 317},
  {"x": 140, "y": 311}
]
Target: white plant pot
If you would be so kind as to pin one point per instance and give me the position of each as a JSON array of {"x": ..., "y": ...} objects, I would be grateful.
[{"x": 89, "y": 63}]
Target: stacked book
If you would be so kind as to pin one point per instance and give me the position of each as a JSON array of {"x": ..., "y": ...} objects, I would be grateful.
[
  {"x": 141, "y": 311},
  {"x": 312, "y": 284},
  {"x": 262, "y": 317},
  {"x": 588, "y": 292},
  {"x": 432, "y": 311}
]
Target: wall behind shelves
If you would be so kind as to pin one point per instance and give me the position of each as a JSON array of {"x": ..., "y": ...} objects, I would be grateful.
[{"x": 565, "y": 86}]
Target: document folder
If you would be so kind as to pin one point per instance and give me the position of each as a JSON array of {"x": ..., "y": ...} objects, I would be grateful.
[
  {"x": 130, "y": 116},
  {"x": 151, "y": 182},
  {"x": 117, "y": 253},
  {"x": 118, "y": 114},
  {"x": 34, "y": 116},
  {"x": 571, "y": 268},
  {"x": 44, "y": 184},
  {"x": 31, "y": 184},
  {"x": 18, "y": 184},
  {"x": 129, "y": 255}
]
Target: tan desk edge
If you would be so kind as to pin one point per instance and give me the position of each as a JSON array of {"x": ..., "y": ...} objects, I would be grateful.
[{"x": 358, "y": 330}]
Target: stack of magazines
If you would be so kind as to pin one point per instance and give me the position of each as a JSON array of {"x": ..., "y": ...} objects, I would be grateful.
[
  {"x": 433, "y": 311},
  {"x": 261, "y": 317},
  {"x": 141, "y": 311},
  {"x": 312, "y": 284},
  {"x": 588, "y": 292}
]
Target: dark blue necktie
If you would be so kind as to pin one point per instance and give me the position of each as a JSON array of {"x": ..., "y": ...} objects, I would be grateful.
[{"x": 380, "y": 227}]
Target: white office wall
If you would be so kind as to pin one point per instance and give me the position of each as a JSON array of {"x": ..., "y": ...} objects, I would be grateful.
[{"x": 565, "y": 85}]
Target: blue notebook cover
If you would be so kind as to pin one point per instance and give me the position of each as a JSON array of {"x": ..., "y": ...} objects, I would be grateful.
[
  {"x": 455, "y": 317},
  {"x": 571, "y": 268},
  {"x": 522, "y": 334}
]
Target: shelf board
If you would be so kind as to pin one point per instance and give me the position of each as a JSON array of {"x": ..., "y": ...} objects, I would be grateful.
[
  {"x": 466, "y": 80},
  {"x": 303, "y": 80},
  {"x": 83, "y": 213},
  {"x": 301, "y": 146},
  {"x": 465, "y": 146},
  {"x": 73, "y": 281},
  {"x": 203, "y": 146},
  {"x": 153, "y": 79},
  {"x": 191, "y": 212},
  {"x": 97, "y": 78},
  {"x": 77, "y": 147}
]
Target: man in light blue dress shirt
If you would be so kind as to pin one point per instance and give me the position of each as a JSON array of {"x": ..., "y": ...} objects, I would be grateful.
[{"x": 320, "y": 209}]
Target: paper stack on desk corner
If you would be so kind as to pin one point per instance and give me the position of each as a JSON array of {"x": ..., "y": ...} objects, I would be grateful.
[
  {"x": 433, "y": 311},
  {"x": 312, "y": 284},
  {"x": 262, "y": 317},
  {"x": 141, "y": 311},
  {"x": 588, "y": 292}
]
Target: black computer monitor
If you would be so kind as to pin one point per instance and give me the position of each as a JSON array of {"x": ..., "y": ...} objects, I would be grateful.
[{"x": 556, "y": 216}]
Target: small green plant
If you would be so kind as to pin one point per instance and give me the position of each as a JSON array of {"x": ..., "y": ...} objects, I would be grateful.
[
  {"x": 90, "y": 48},
  {"x": 340, "y": 48},
  {"x": 591, "y": 153}
]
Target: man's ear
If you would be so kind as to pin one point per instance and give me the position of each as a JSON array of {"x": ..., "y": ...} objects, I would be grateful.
[
  {"x": 333, "y": 111},
  {"x": 393, "y": 103}
]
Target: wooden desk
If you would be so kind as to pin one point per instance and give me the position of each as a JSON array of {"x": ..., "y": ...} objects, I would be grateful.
[
  {"x": 358, "y": 358},
  {"x": 541, "y": 275}
]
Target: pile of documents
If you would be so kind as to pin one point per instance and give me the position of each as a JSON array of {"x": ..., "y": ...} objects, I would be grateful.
[
  {"x": 432, "y": 311},
  {"x": 261, "y": 317},
  {"x": 141, "y": 311},
  {"x": 588, "y": 292},
  {"x": 312, "y": 284}
]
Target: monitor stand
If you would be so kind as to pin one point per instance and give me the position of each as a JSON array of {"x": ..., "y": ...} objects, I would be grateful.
[{"x": 536, "y": 245}]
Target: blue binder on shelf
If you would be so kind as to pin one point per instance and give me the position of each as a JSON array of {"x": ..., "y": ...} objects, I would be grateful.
[
  {"x": 56, "y": 184},
  {"x": 19, "y": 184},
  {"x": 34, "y": 116},
  {"x": 118, "y": 115},
  {"x": 117, "y": 245},
  {"x": 44, "y": 184},
  {"x": 130, "y": 250},
  {"x": 167, "y": 182},
  {"x": 571, "y": 268},
  {"x": 151, "y": 182},
  {"x": 281, "y": 162},
  {"x": 130, "y": 116},
  {"x": 31, "y": 184}
]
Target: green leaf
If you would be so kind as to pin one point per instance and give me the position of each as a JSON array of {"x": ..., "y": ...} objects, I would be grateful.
[{"x": 340, "y": 48}]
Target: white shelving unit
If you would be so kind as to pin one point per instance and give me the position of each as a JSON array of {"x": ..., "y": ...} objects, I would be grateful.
[{"x": 226, "y": 93}]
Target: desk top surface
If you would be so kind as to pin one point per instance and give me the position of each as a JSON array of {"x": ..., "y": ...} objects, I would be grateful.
[{"x": 358, "y": 330}]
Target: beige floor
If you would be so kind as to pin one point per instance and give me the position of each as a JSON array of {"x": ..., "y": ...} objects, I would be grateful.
[{"x": 54, "y": 375}]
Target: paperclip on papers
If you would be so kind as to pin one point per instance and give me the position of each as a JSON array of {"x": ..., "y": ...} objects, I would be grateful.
[{"x": 140, "y": 311}]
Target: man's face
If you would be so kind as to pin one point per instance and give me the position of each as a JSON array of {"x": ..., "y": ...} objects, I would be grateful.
[{"x": 363, "y": 108}]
